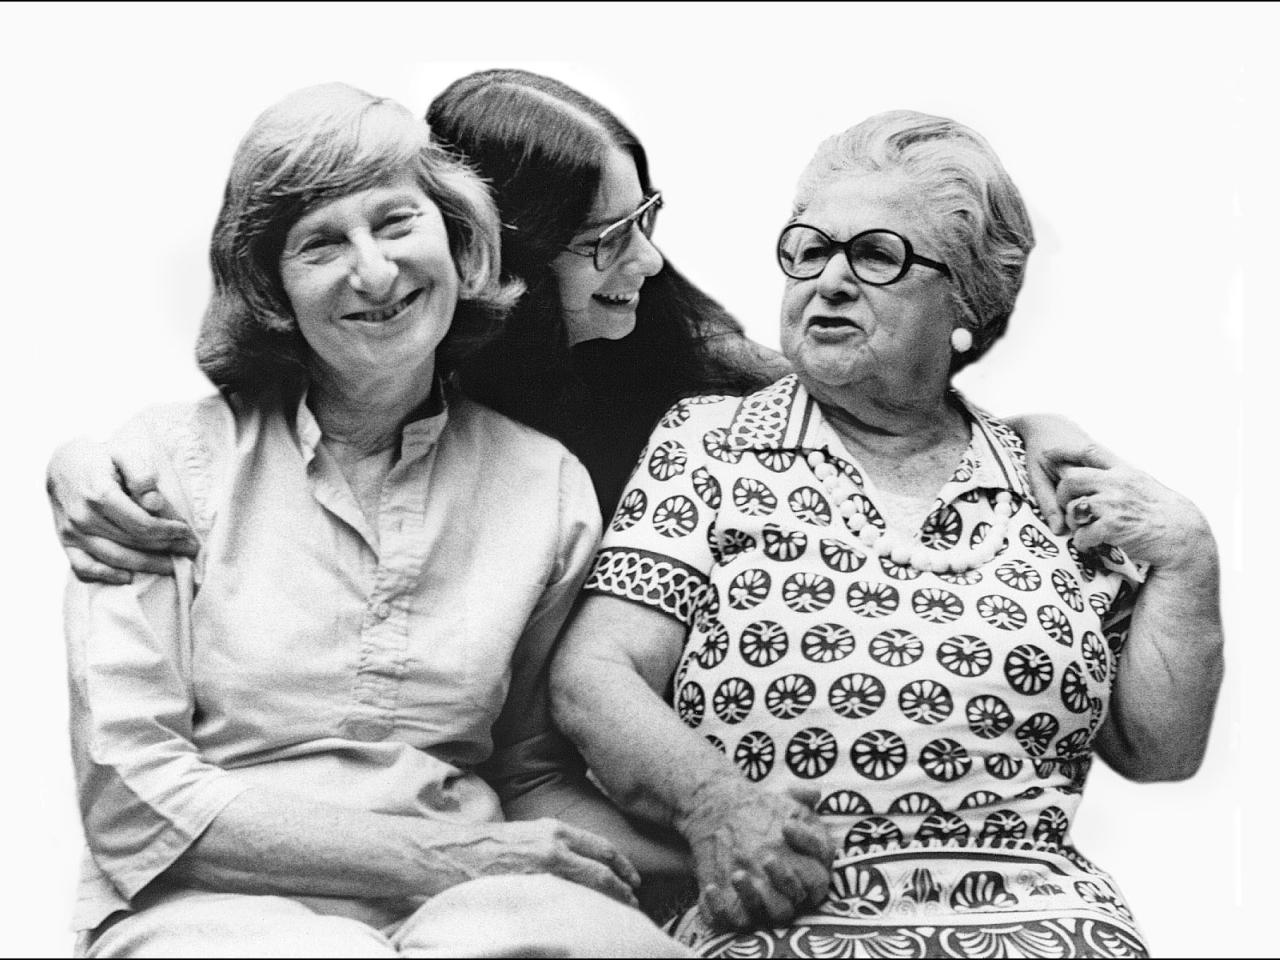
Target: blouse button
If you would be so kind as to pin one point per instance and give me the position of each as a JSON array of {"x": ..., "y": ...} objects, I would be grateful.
[{"x": 383, "y": 610}]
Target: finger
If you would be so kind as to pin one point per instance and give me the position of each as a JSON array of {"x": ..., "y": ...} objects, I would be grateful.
[
  {"x": 809, "y": 840},
  {"x": 722, "y": 909},
  {"x": 816, "y": 880},
  {"x": 89, "y": 570},
  {"x": 785, "y": 881},
  {"x": 1044, "y": 492},
  {"x": 1092, "y": 536},
  {"x": 1076, "y": 484},
  {"x": 111, "y": 554},
  {"x": 809, "y": 796},
  {"x": 763, "y": 904},
  {"x": 599, "y": 877},
  {"x": 115, "y": 516},
  {"x": 587, "y": 844},
  {"x": 1082, "y": 455}
]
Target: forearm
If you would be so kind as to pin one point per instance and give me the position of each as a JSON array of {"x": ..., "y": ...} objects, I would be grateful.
[
  {"x": 651, "y": 763},
  {"x": 265, "y": 843},
  {"x": 1169, "y": 674}
]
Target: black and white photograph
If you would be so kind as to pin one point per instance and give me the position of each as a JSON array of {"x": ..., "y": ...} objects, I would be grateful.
[{"x": 641, "y": 479}]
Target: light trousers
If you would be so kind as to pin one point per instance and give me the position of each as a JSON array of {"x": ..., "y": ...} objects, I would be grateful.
[{"x": 507, "y": 916}]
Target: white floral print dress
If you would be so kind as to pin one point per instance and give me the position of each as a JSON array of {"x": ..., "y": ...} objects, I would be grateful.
[{"x": 947, "y": 719}]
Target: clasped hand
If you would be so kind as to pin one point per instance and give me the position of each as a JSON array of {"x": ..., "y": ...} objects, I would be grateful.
[{"x": 759, "y": 857}]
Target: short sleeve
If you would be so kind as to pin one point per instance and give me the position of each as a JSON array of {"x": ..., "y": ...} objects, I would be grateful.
[{"x": 657, "y": 548}]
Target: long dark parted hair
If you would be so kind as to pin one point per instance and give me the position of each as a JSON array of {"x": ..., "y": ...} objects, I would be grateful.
[{"x": 542, "y": 145}]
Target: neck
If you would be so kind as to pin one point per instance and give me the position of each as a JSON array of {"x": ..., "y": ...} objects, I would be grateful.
[
  {"x": 365, "y": 414},
  {"x": 889, "y": 425}
]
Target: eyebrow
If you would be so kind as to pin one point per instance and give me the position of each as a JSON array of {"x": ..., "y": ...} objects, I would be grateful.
[{"x": 378, "y": 209}]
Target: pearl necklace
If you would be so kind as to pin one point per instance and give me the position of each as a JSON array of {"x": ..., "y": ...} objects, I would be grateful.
[{"x": 906, "y": 550}]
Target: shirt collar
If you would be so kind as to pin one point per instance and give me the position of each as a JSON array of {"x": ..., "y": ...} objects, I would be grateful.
[
  {"x": 417, "y": 437},
  {"x": 783, "y": 416}
]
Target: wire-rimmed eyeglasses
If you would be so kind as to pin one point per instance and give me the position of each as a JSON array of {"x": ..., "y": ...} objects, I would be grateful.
[{"x": 615, "y": 238}]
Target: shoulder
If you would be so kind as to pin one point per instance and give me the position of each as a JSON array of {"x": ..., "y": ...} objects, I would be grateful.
[{"x": 509, "y": 449}]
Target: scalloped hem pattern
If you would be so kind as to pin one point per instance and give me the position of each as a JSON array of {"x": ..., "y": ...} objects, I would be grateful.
[{"x": 1004, "y": 898}]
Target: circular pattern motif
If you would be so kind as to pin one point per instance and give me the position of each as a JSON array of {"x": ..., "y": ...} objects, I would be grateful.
[
  {"x": 914, "y": 804},
  {"x": 811, "y": 753},
  {"x": 945, "y": 760},
  {"x": 856, "y": 695},
  {"x": 925, "y": 701},
  {"x": 988, "y": 716},
  {"x": 1054, "y": 622},
  {"x": 776, "y": 461},
  {"x": 943, "y": 826},
  {"x": 965, "y": 655},
  {"x": 668, "y": 460},
  {"x": 782, "y": 546},
  {"x": 807, "y": 592},
  {"x": 1019, "y": 575},
  {"x": 1094, "y": 652},
  {"x": 872, "y": 831},
  {"x": 630, "y": 510},
  {"x": 942, "y": 529},
  {"x": 1002, "y": 766},
  {"x": 763, "y": 643},
  {"x": 1003, "y": 825},
  {"x": 713, "y": 442},
  {"x": 827, "y": 642},
  {"x": 879, "y": 754},
  {"x": 754, "y": 755},
  {"x": 675, "y": 517},
  {"x": 872, "y": 600},
  {"x": 789, "y": 696},
  {"x": 1037, "y": 544},
  {"x": 1036, "y": 733},
  {"x": 1068, "y": 588},
  {"x": 1028, "y": 669},
  {"x": 753, "y": 498},
  {"x": 691, "y": 704},
  {"x": 733, "y": 700},
  {"x": 936, "y": 606},
  {"x": 895, "y": 648},
  {"x": 1075, "y": 691},
  {"x": 1002, "y": 613},
  {"x": 706, "y": 487},
  {"x": 749, "y": 589},
  {"x": 808, "y": 504},
  {"x": 838, "y": 556},
  {"x": 843, "y": 803}
]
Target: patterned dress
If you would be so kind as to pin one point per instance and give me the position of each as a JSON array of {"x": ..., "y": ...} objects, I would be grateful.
[{"x": 947, "y": 719}]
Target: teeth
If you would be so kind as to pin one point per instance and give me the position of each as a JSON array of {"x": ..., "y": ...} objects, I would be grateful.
[{"x": 377, "y": 316}]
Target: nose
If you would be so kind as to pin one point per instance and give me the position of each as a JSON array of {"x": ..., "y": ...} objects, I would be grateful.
[
  {"x": 372, "y": 273},
  {"x": 641, "y": 257},
  {"x": 836, "y": 281}
]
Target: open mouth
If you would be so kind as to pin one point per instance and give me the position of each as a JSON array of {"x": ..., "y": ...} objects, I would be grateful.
[
  {"x": 832, "y": 323},
  {"x": 386, "y": 313},
  {"x": 617, "y": 301}
]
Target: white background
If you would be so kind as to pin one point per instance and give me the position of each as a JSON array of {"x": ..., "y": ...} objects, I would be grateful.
[{"x": 1142, "y": 137}]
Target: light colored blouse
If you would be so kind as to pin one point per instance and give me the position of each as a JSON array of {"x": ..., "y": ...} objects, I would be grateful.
[{"x": 306, "y": 652}]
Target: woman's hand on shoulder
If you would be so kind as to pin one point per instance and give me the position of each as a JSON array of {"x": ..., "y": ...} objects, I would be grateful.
[
  {"x": 109, "y": 514},
  {"x": 1106, "y": 501},
  {"x": 759, "y": 857},
  {"x": 1050, "y": 441},
  {"x": 544, "y": 846}
]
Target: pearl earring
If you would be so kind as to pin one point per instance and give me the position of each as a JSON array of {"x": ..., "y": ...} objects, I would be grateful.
[{"x": 961, "y": 340}]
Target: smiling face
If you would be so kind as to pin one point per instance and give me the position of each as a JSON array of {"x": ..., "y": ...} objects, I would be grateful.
[
  {"x": 601, "y": 304},
  {"x": 372, "y": 283},
  {"x": 889, "y": 343}
]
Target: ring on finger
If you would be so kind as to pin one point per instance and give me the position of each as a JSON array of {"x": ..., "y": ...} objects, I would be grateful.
[{"x": 1082, "y": 512}]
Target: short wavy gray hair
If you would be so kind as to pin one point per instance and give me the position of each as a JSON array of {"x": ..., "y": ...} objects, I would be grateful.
[
  {"x": 979, "y": 223},
  {"x": 317, "y": 145}
]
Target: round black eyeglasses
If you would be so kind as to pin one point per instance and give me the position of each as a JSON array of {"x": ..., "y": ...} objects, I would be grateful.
[
  {"x": 877, "y": 257},
  {"x": 614, "y": 239}
]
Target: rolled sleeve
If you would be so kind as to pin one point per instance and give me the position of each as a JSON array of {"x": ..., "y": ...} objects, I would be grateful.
[
  {"x": 145, "y": 793},
  {"x": 657, "y": 550}
]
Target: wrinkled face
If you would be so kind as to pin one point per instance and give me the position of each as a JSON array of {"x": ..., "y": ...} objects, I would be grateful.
[
  {"x": 372, "y": 282},
  {"x": 841, "y": 333},
  {"x": 601, "y": 304}
]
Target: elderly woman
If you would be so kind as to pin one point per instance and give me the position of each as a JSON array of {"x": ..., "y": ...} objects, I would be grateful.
[
  {"x": 843, "y": 582},
  {"x": 298, "y": 745}
]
